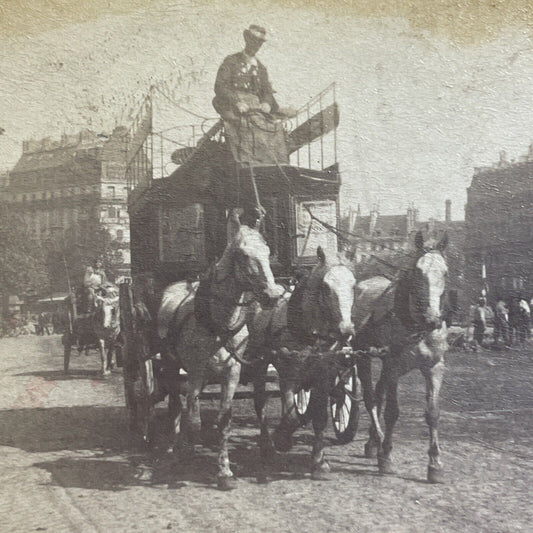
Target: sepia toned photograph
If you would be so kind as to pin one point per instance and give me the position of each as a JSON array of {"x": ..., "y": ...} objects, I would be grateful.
[{"x": 266, "y": 266}]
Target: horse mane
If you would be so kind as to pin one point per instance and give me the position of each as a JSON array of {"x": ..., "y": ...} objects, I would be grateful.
[{"x": 295, "y": 316}]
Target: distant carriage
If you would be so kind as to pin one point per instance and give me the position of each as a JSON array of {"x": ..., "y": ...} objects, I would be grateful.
[{"x": 96, "y": 328}]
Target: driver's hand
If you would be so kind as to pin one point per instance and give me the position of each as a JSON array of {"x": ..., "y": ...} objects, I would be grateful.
[
  {"x": 265, "y": 107},
  {"x": 242, "y": 107}
]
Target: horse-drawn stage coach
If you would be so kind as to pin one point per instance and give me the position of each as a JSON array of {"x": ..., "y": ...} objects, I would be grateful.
[{"x": 236, "y": 267}]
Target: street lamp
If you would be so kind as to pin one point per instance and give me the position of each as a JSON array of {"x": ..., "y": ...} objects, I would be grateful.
[{"x": 57, "y": 237}]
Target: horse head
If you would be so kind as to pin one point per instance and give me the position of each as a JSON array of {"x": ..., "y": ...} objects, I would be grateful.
[
  {"x": 330, "y": 296},
  {"x": 424, "y": 284},
  {"x": 247, "y": 258},
  {"x": 108, "y": 309}
]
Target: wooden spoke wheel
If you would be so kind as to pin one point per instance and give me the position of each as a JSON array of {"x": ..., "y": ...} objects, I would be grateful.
[
  {"x": 344, "y": 405},
  {"x": 67, "y": 340},
  {"x": 67, "y": 348},
  {"x": 137, "y": 372}
]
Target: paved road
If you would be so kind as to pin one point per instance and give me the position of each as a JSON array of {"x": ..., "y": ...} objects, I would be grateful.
[{"x": 67, "y": 462}]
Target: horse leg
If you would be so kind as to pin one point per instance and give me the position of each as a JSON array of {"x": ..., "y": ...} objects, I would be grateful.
[
  {"x": 101, "y": 348},
  {"x": 225, "y": 478},
  {"x": 433, "y": 377},
  {"x": 267, "y": 451},
  {"x": 109, "y": 357},
  {"x": 175, "y": 408},
  {"x": 318, "y": 405},
  {"x": 282, "y": 436},
  {"x": 391, "y": 414},
  {"x": 375, "y": 433},
  {"x": 193, "y": 423},
  {"x": 111, "y": 354}
]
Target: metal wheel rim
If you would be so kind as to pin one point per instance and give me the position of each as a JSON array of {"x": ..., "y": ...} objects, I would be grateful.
[{"x": 302, "y": 401}]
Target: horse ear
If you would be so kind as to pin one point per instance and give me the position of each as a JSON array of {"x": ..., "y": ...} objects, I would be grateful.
[
  {"x": 321, "y": 255},
  {"x": 234, "y": 224},
  {"x": 441, "y": 246},
  {"x": 419, "y": 241}
]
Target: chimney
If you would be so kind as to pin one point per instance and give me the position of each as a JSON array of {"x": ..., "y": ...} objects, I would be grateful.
[
  {"x": 503, "y": 158},
  {"x": 448, "y": 212},
  {"x": 352, "y": 218},
  {"x": 46, "y": 143},
  {"x": 410, "y": 222},
  {"x": 373, "y": 220}
]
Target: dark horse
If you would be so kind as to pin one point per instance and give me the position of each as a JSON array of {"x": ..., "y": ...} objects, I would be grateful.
[
  {"x": 298, "y": 337},
  {"x": 403, "y": 314}
]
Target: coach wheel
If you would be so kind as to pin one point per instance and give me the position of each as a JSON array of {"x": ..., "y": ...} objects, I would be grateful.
[
  {"x": 66, "y": 357},
  {"x": 344, "y": 405},
  {"x": 67, "y": 348}
]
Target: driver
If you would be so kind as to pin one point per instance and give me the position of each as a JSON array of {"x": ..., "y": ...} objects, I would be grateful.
[{"x": 242, "y": 80}]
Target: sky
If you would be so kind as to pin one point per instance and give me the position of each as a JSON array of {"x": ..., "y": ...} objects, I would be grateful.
[{"x": 426, "y": 94}]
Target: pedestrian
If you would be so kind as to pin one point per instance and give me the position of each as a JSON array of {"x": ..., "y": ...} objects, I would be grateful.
[
  {"x": 43, "y": 324},
  {"x": 36, "y": 326},
  {"x": 501, "y": 323},
  {"x": 525, "y": 320},
  {"x": 480, "y": 322}
]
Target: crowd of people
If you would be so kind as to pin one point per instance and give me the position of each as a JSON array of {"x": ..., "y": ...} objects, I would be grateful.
[
  {"x": 510, "y": 320},
  {"x": 43, "y": 323}
]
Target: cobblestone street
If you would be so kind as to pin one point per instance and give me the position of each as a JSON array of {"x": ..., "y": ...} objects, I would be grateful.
[{"x": 68, "y": 462}]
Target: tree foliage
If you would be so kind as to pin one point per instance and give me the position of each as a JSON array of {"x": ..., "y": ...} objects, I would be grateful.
[
  {"x": 22, "y": 263},
  {"x": 71, "y": 252}
]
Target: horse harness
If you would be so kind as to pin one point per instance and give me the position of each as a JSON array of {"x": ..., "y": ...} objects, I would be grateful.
[{"x": 202, "y": 312}]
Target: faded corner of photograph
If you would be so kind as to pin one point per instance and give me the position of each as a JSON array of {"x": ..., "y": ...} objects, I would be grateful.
[{"x": 266, "y": 266}]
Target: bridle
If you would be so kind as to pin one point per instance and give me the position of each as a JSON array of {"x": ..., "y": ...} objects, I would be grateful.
[{"x": 403, "y": 299}]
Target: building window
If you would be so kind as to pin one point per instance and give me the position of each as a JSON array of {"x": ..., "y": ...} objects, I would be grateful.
[
  {"x": 111, "y": 212},
  {"x": 111, "y": 191},
  {"x": 120, "y": 234}
]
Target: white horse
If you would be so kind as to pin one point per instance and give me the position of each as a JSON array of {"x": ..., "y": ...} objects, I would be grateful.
[
  {"x": 206, "y": 333},
  {"x": 106, "y": 326}
]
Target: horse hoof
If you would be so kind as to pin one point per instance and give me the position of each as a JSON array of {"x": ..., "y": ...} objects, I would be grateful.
[
  {"x": 262, "y": 478},
  {"x": 435, "y": 475},
  {"x": 371, "y": 451},
  {"x": 385, "y": 466},
  {"x": 282, "y": 441},
  {"x": 321, "y": 472},
  {"x": 226, "y": 483}
]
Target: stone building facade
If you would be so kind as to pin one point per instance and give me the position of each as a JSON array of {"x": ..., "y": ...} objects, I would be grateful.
[
  {"x": 76, "y": 182},
  {"x": 499, "y": 234},
  {"x": 377, "y": 233},
  {"x": 379, "y": 240}
]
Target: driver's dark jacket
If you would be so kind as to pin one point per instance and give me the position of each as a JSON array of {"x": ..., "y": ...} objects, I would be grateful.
[{"x": 233, "y": 79}]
